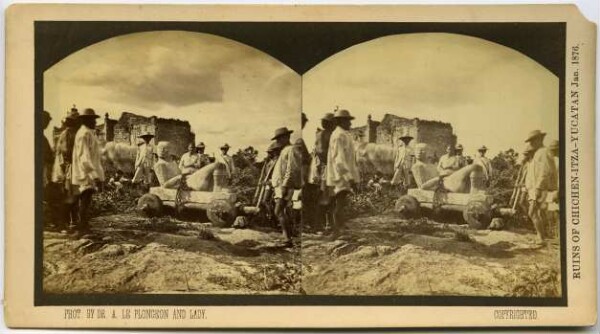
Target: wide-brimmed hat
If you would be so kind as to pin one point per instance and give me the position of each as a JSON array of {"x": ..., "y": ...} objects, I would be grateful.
[
  {"x": 88, "y": 112},
  {"x": 342, "y": 113},
  {"x": 273, "y": 147},
  {"x": 482, "y": 148},
  {"x": 146, "y": 134},
  {"x": 534, "y": 134},
  {"x": 225, "y": 146},
  {"x": 281, "y": 132},
  {"x": 328, "y": 117},
  {"x": 200, "y": 145},
  {"x": 458, "y": 147},
  {"x": 553, "y": 145},
  {"x": 406, "y": 137}
]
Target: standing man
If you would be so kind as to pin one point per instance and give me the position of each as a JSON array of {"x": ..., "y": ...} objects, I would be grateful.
[
  {"x": 403, "y": 164},
  {"x": 64, "y": 170},
  {"x": 204, "y": 159},
  {"x": 449, "y": 162},
  {"x": 462, "y": 160},
  {"x": 190, "y": 160},
  {"x": 227, "y": 160},
  {"x": 484, "y": 162},
  {"x": 144, "y": 161},
  {"x": 285, "y": 179},
  {"x": 541, "y": 179},
  {"x": 342, "y": 170},
  {"x": 324, "y": 214},
  {"x": 87, "y": 172}
]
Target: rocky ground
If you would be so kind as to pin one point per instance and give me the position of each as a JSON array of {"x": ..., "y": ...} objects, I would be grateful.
[
  {"x": 377, "y": 255},
  {"x": 126, "y": 253},
  {"x": 384, "y": 255}
]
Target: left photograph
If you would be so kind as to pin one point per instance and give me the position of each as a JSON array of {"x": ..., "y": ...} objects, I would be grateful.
[{"x": 172, "y": 163}]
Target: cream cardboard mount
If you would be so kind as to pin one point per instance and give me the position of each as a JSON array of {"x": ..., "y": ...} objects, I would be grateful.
[{"x": 443, "y": 75}]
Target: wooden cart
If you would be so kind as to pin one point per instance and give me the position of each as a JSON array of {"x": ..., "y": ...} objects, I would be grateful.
[
  {"x": 476, "y": 208},
  {"x": 220, "y": 206}
]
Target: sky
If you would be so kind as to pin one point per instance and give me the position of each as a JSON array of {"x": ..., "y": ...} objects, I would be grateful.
[
  {"x": 229, "y": 92},
  {"x": 492, "y": 95}
]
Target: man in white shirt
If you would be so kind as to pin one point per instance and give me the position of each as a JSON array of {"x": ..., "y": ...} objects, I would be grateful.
[
  {"x": 403, "y": 164},
  {"x": 87, "y": 171},
  {"x": 285, "y": 179},
  {"x": 144, "y": 161},
  {"x": 342, "y": 171},
  {"x": 227, "y": 160},
  {"x": 190, "y": 160},
  {"x": 486, "y": 163}
]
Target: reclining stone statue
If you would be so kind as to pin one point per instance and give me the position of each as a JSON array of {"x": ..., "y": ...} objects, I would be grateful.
[
  {"x": 169, "y": 176},
  {"x": 470, "y": 178}
]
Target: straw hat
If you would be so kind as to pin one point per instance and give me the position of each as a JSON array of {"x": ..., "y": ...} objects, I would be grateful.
[
  {"x": 281, "y": 132},
  {"x": 342, "y": 113},
  {"x": 534, "y": 134},
  {"x": 89, "y": 112},
  {"x": 146, "y": 134}
]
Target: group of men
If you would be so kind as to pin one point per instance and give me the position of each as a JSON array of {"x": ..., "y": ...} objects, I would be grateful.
[
  {"x": 334, "y": 171},
  {"x": 75, "y": 168},
  {"x": 191, "y": 161}
]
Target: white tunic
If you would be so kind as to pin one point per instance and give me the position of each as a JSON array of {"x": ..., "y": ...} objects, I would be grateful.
[
  {"x": 342, "y": 169},
  {"x": 87, "y": 165}
]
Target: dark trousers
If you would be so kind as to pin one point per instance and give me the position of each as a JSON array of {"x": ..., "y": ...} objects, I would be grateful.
[
  {"x": 85, "y": 201},
  {"x": 341, "y": 203},
  {"x": 282, "y": 212}
]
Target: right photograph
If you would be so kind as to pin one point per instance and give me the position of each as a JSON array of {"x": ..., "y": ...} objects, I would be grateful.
[{"x": 434, "y": 171}]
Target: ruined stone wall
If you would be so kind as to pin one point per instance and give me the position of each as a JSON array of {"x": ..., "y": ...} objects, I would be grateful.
[
  {"x": 437, "y": 135},
  {"x": 176, "y": 132},
  {"x": 392, "y": 127}
]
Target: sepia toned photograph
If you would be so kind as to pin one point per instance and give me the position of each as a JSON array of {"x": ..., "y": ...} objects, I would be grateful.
[
  {"x": 165, "y": 158},
  {"x": 295, "y": 167},
  {"x": 436, "y": 163}
]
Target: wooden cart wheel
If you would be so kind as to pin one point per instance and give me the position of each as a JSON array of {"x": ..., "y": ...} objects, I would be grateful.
[
  {"x": 150, "y": 205},
  {"x": 477, "y": 214},
  {"x": 221, "y": 213},
  {"x": 407, "y": 207}
]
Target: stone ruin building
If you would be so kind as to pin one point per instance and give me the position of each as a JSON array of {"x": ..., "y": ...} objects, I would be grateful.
[
  {"x": 438, "y": 135},
  {"x": 129, "y": 126}
]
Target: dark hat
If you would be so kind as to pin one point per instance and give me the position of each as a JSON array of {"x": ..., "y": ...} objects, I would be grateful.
[
  {"x": 146, "y": 134},
  {"x": 328, "y": 117},
  {"x": 406, "y": 139},
  {"x": 342, "y": 113},
  {"x": 482, "y": 148},
  {"x": 280, "y": 132},
  {"x": 534, "y": 134},
  {"x": 89, "y": 112},
  {"x": 458, "y": 147},
  {"x": 200, "y": 145},
  {"x": 225, "y": 146}
]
